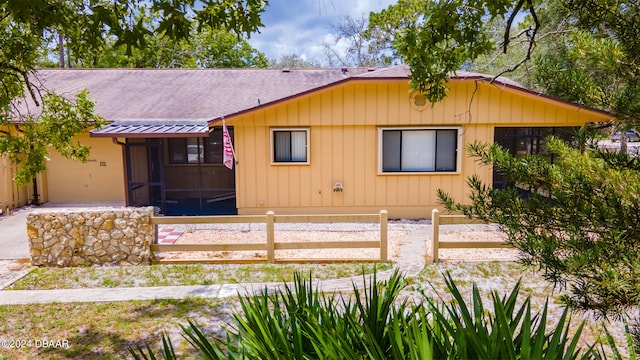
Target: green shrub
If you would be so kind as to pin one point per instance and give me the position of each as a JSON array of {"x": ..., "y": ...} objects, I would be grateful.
[{"x": 300, "y": 322}]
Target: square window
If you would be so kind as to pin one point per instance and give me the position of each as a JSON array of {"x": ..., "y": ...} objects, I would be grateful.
[
  {"x": 419, "y": 150},
  {"x": 178, "y": 151},
  {"x": 213, "y": 145},
  {"x": 290, "y": 145}
]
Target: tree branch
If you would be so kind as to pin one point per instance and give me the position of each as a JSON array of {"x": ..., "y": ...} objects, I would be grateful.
[
  {"x": 25, "y": 77},
  {"x": 507, "y": 29},
  {"x": 469, "y": 113},
  {"x": 329, "y": 52},
  {"x": 531, "y": 34}
]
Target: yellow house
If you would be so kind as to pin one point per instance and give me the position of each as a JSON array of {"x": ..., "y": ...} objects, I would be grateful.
[
  {"x": 11, "y": 195},
  {"x": 306, "y": 141}
]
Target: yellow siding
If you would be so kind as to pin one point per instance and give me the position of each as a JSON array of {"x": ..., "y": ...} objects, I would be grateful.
[
  {"x": 99, "y": 179},
  {"x": 344, "y": 122},
  {"x": 12, "y": 196}
]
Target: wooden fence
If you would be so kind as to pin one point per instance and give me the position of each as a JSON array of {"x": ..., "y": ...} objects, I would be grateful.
[
  {"x": 271, "y": 245},
  {"x": 437, "y": 220}
]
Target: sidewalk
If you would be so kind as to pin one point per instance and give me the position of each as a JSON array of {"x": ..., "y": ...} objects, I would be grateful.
[{"x": 410, "y": 262}]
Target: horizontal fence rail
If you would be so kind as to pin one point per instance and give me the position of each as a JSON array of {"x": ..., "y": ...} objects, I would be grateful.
[
  {"x": 437, "y": 220},
  {"x": 270, "y": 219}
]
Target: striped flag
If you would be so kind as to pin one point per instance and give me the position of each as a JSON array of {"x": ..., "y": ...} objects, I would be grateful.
[{"x": 227, "y": 147}]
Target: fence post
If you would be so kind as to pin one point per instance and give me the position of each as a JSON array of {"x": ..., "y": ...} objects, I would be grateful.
[
  {"x": 435, "y": 235},
  {"x": 270, "y": 237},
  {"x": 384, "y": 216}
]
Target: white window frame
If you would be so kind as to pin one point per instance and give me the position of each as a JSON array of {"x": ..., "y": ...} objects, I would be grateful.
[
  {"x": 272, "y": 146},
  {"x": 435, "y": 172}
]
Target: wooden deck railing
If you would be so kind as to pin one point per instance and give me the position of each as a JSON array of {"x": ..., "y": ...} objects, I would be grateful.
[
  {"x": 271, "y": 245},
  {"x": 437, "y": 220}
]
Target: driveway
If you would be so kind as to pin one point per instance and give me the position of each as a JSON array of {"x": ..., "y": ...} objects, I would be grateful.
[{"x": 14, "y": 243}]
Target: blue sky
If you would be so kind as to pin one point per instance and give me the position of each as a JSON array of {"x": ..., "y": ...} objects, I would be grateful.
[{"x": 302, "y": 26}]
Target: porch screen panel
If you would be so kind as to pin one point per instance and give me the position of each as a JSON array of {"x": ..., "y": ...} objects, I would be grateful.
[
  {"x": 418, "y": 149},
  {"x": 138, "y": 171},
  {"x": 447, "y": 143},
  {"x": 144, "y": 173}
]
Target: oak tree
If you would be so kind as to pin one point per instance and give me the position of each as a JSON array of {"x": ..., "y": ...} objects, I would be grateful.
[
  {"x": 354, "y": 44},
  {"x": 576, "y": 218},
  {"x": 87, "y": 26}
]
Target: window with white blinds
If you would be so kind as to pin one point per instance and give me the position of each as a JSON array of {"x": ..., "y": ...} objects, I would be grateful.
[
  {"x": 419, "y": 150},
  {"x": 290, "y": 145}
]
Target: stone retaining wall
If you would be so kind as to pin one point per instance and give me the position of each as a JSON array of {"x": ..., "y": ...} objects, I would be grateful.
[{"x": 90, "y": 236}]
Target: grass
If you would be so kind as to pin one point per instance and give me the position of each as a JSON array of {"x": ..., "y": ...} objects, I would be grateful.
[
  {"x": 170, "y": 275},
  {"x": 95, "y": 330},
  {"x": 488, "y": 276},
  {"x": 501, "y": 276},
  {"x": 105, "y": 330}
]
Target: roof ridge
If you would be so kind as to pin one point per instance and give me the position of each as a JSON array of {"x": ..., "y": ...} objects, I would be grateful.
[{"x": 56, "y": 69}]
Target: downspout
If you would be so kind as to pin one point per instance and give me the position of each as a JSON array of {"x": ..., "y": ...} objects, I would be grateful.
[
  {"x": 115, "y": 141},
  {"x": 124, "y": 161},
  {"x": 35, "y": 200}
]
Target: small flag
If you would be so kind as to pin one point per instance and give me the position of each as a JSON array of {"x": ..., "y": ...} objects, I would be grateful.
[{"x": 227, "y": 147}]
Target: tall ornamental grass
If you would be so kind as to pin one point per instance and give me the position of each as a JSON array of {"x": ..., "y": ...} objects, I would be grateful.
[{"x": 301, "y": 322}]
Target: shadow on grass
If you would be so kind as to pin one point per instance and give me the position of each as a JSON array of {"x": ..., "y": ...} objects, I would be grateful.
[{"x": 103, "y": 330}]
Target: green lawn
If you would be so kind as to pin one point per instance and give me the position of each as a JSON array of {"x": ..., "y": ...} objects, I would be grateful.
[
  {"x": 168, "y": 275},
  {"x": 106, "y": 330}
]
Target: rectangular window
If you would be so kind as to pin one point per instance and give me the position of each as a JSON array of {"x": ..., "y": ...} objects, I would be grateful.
[
  {"x": 419, "y": 150},
  {"x": 201, "y": 150},
  {"x": 290, "y": 145},
  {"x": 185, "y": 151}
]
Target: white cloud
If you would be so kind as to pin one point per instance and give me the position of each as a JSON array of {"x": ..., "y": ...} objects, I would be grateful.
[{"x": 302, "y": 26}]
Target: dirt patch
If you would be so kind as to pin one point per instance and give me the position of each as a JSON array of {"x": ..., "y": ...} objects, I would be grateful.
[
  {"x": 497, "y": 254},
  {"x": 12, "y": 270},
  {"x": 197, "y": 236}
]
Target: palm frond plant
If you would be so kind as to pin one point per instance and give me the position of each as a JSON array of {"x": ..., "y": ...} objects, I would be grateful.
[
  {"x": 298, "y": 321},
  {"x": 505, "y": 332}
]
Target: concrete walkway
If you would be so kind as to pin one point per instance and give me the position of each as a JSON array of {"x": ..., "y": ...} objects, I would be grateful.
[
  {"x": 13, "y": 235},
  {"x": 13, "y": 245},
  {"x": 410, "y": 262}
]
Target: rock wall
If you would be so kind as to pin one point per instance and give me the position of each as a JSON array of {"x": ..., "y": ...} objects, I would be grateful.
[{"x": 90, "y": 236}]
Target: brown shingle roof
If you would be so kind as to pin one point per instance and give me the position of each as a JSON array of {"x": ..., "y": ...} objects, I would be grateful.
[
  {"x": 185, "y": 94},
  {"x": 197, "y": 95},
  {"x": 402, "y": 71}
]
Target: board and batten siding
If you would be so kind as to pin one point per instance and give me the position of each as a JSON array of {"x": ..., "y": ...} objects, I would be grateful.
[
  {"x": 101, "y": 178},
  {"x": 343, "y": 121},
  {"x": 11, "y": 195}
]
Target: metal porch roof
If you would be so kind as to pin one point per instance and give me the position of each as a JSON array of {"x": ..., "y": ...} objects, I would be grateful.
[{"x": 153, "y": 129}]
